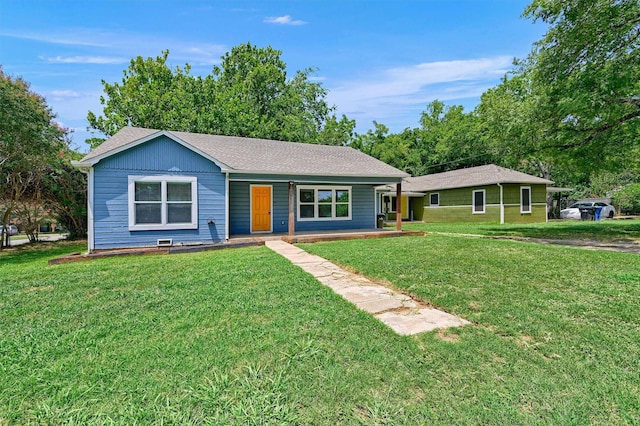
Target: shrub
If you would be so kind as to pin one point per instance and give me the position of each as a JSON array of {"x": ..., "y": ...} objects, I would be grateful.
[{"x": 628, "y": 199}]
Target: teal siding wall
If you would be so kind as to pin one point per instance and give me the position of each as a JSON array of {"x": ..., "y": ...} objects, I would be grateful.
[{"x": 161, "y": 156}]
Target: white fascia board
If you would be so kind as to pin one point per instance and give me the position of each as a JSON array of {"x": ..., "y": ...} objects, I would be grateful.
[{"x": 394, "y": 179}]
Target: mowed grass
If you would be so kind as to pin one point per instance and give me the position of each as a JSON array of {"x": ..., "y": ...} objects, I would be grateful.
[
  {"x": 603, "y": 230},
  {"x": 243, "y": 337},
  {"x": 557, "y": 330}
]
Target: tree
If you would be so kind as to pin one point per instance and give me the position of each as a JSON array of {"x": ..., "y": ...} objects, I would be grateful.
[
  {"x": 514, "y": 126},
  {"x": 29, "y": 137},
  {"x": 65, "y": 193},
  {"x": 448, "y": 139},
  {"x": 627, "y": 200},
  {"x": 451, "y": 139},
  {"x": 151, "y": 95},
  {"x": 249, "y": 94},
  {"x": 585, "y": 77}
]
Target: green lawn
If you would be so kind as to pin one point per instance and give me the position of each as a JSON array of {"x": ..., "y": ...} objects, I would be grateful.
[
  {"x": 603, "y": 230},
  {"x": 242, "y": 337}
]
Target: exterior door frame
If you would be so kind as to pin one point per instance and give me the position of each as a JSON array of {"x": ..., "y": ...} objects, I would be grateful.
[{"x": 270, "y": 230}]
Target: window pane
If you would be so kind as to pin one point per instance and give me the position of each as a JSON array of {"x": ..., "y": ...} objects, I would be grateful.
[
  {"x": 435, "y": 199},
  {"x": 325, "y": 196},
  {"x": 307, "y": 196},
  {"x": 306, "y": 211},
  {"x": 526, "y": 199},
  {"x": 342, "y": 210},
  {"x": 178, "y": 191},
  {"x": 478, "y": 201},
  {"x": 148, "y": 213},
  {"x": 148, "y": 191},
  {"x": 342, "y": 196},
  {"x": 324, "y": 210},
  {"x": 179, "y": 213}
]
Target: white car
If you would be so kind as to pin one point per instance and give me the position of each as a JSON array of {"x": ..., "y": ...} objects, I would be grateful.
[
  {"x": 11, "y": 230},
  {"x": 573, "y": 211}
]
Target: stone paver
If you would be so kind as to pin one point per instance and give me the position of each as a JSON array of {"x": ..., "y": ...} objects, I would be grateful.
[{"x": 398, "y": 311}]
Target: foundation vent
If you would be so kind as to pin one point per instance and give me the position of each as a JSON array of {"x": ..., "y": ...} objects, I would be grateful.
[{"x": 165, "y": 242}]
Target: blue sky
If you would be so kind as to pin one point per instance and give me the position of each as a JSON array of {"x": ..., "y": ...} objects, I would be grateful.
[{"x": 380, "y": 60}]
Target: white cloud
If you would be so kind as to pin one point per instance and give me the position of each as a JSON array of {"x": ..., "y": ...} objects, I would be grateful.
[
  {"x": 79, "y": 37},
  {"x": 399, "y": 91},
  {"x": 86, "y": 60},
  {"x": 283, "y": 20},
  {"x": 65, "y": 94}
]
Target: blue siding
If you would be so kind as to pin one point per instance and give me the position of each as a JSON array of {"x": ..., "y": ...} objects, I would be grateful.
[
  {"x": 161, "y": 156},
  {"x": 362, "y": 204}
]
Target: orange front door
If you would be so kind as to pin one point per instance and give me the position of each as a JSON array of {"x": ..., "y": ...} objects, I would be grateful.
[{"x": 261, "y": 209}]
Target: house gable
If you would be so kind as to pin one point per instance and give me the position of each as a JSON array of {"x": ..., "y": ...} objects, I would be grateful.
[{"x": 162, "y": 157}]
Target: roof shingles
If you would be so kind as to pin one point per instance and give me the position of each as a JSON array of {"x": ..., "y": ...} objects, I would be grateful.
[
  {"x": 472, "y": 176},
  {"x": 259, "y": 155}
]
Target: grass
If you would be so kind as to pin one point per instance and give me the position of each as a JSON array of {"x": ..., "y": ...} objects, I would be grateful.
[
  {"x": 242, "y": 337},
  {"x": 603, "y": 231}
]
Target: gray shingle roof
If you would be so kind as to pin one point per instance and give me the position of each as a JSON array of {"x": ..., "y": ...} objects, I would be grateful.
[
  {"x": 464, "y": 178},
  {"x": 258, "y": 155}
]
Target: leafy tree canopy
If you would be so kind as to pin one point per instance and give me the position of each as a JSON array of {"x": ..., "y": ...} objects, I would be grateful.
[
  {"x": 29, "y": 139},
  {"x": 584, "y": 79},
  {"x": 249, "y": 94},
  {"x": 447, "y": 139}
]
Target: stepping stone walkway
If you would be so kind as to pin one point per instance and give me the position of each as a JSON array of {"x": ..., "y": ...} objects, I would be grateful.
[{"x": 400, "y": 312}]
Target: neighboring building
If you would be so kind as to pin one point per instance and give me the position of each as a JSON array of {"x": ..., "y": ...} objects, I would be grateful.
[
  {"x": 148, "y": 187},
  {"x": 477, "y": 194}
]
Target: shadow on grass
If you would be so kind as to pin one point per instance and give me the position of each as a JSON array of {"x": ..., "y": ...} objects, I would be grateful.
[
  {"x": 40, "y": 251},
  {"x": 605, "y": 230}
]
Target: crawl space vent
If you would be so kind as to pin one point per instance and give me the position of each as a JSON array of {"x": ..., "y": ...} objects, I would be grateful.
[{"x": 166, "y": 242}]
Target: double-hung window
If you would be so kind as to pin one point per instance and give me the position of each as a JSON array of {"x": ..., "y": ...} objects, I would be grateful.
[
  {"x": 478, "y": 201},
  {"x": 163, "y": 202},
  {"x": 525, "y": 199},
  {"x": 434, "y": 199},
  {"x": 324, "y": 203}
]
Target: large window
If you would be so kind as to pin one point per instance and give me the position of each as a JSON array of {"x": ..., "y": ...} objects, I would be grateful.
[
  {"x": 163, "y": 202},
  {"x": 324, "y": 203},
  {"x": 478, "y": 201},
  {"x": 525, "y": 199},
  {"x": 434, "y": 199}
]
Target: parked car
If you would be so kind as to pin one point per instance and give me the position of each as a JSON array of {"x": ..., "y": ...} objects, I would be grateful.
[
  {"x": 11, "y": 230},
  {"x": 573, "y": 211}
]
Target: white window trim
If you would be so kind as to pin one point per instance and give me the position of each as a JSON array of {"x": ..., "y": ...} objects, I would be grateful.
[
  {"x": 163, "y": 226},
  {"x": 432, "y": 194},
  {"x": 315, "y": 202},
  {"x": 522, "y": 210},
  {"x": 484, "y": 202}
]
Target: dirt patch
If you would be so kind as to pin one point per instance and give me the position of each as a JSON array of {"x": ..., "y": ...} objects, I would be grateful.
[
  {"x": 448, "y": 335},
  {"x": 41, "y": 288}
]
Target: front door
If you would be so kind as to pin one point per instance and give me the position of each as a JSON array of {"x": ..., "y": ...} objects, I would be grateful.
[{"x": 260, "y": 208}]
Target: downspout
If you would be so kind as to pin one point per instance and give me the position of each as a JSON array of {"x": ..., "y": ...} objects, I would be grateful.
[
  {"x": 501, "y": 204},
  {"x": 226, "y": 206}
]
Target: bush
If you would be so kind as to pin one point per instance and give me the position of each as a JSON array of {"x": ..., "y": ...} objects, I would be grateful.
[{"x": 628, "y": 199}]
